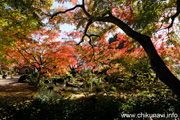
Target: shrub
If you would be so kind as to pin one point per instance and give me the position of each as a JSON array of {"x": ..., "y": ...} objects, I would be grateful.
[
  {"x": 24, "y": 78},
  {"x": 45, "y": 95},
  {"x": 28, "y": 78},
  {"x": 88, "y": 108}
]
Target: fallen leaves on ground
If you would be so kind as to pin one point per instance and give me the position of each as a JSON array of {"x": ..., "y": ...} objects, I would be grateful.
[{"x": 16, "y": 92}]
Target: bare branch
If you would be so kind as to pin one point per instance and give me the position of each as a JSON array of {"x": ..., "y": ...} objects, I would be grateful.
[
  {"x": 28, "y": 54},
  {"x": 23, "y": 56},
  {"x": 85, "y": 31},
  {"x": 84, "y": 10},
  {"x": 160, "y": 28},
  {"x": 55, "y": 14},
  {"x": 32, "y": 56},
  {"x": 175, "y": 15},
  {"x": 81, "y": 6},
  {"x": 173, "y": 18},
  {"x": 90, "y": 42}
]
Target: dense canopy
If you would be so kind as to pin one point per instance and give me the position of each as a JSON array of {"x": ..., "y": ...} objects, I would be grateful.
[{"x": 33, "y": 32}]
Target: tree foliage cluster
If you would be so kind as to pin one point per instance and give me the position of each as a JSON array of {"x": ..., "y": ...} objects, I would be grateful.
[{"x": 30, "y": 35}]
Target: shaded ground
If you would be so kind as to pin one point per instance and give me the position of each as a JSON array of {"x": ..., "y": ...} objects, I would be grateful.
[{"x": 11, "y": 90}]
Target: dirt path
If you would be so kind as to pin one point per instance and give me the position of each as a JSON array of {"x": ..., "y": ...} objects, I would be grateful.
[{"x": 9, "y": 81}]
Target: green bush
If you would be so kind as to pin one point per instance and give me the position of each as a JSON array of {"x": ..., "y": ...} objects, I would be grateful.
[
  {"x": 45, "y": 95},
  {"x": 160, "y": 103},
  {"x": 43, "y": 85},
  {"x": 24, "y": 78},
  {"x": 28, "y": 78},
  {"x": 89, "y": 108}
]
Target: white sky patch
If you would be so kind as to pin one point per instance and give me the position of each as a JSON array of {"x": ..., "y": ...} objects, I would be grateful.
[{"x": 64, "y": 27}]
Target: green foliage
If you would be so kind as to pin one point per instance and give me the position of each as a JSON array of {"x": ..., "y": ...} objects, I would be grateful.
[
  {"x": 33, "y": 78},
  {"x": 161, "y": 102},
  {"x": 19, "y": 18},
  {"x": 131, "y": 73},
  {"x": 43, "y": 85},
  {"x": 147, "y": 14},
  {"x": 29, "y": 78},
  {"x": 89, "y": 77},
  {"x": 35, "y": 109},
  {"x": 113, "y": 88},
  {"x": 90, "y": 108},
  {"x": 45, "y": 95}
]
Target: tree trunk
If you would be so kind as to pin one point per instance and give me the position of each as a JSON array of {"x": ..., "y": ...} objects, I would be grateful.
[
  {"x": 157, "y": 63},
  {"x": 39, "y": 79}
]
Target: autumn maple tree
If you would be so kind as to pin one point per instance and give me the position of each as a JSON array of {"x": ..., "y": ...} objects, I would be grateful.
[
  {"x": 149, "y": 27},
  {"x": 140, "y": 20},
  {"x": 19, "y": 19},
  {"x": 44, "y": 53}
]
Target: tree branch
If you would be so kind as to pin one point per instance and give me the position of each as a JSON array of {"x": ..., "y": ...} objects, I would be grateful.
[
  {"x": 81, "y": 6},
  {"x": 32, "y": 56},
  {"x": 84, "y": 10},
  {"x": 175, "y": 15},
  {"x": 90, "y": 42},
  {"x": 85, "y": 31},
  {"x": 23, "y": 56},
  {"x": 12, "y": 58},
  {"x": 157, "y": 63},
  {"x": 129, "y": 31},
  {"x": 55, "y": 14},
  {"x": 160, "y": 28}
]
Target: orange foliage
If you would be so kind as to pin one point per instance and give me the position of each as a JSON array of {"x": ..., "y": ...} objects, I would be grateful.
[{"x": 44, "y": 52}]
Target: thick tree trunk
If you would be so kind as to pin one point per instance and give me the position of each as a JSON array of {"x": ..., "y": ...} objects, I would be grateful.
[
  {"x": 159, "y": 66},
  {"x": 157, "y": 63}
]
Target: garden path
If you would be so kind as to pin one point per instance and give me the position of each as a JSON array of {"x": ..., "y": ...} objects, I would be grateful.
[{"x": 9, "y": 81}]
